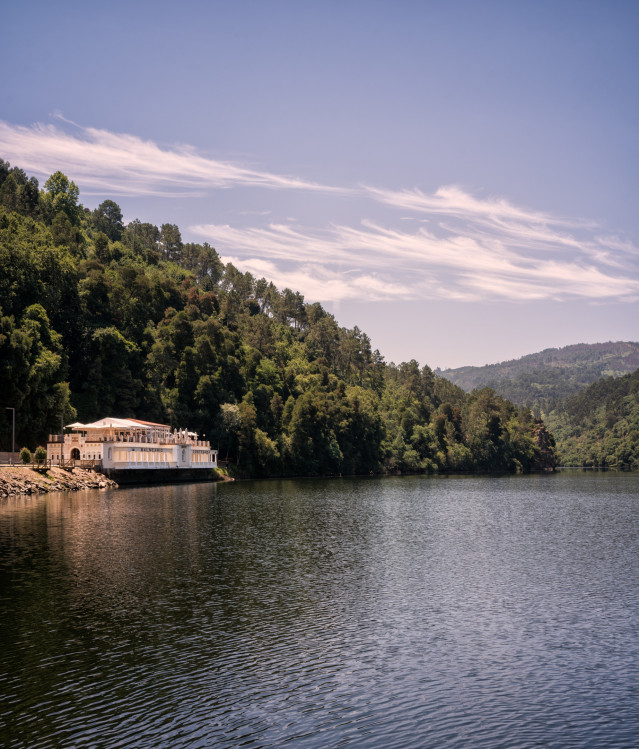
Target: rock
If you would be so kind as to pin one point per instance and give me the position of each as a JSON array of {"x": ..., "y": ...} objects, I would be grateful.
[{"x": 20, "y": 480}]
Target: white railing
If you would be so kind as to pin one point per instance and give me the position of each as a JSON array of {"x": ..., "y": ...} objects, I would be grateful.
[{"x": 169, "y": 439}]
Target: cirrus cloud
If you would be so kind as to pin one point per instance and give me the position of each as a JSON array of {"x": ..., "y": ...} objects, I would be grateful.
[
  {"x": 465, "y": 248},
  {"x": 422, "y": 264},
  {"x": 121, "y": 164}
]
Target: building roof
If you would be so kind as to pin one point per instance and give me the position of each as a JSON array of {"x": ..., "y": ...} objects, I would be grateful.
[
  {"x": 150, "y": 423},
  {"x": 112, "y": 422}
]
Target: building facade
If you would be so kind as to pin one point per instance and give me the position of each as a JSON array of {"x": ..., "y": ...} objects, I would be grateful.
[{"x": 130, "y": 445}]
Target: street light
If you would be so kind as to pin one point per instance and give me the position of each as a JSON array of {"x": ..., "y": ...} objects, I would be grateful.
[{"x": 13, "y": 434}]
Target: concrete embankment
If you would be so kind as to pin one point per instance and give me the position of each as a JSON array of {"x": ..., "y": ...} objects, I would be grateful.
[{"x": 19, "y": 480}]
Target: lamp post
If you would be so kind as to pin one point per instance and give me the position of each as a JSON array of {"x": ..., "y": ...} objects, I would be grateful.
[{"x": 13, "y": 433}]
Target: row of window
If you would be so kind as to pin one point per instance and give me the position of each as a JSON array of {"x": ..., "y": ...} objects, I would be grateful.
[{"x": 141, "y": 456}]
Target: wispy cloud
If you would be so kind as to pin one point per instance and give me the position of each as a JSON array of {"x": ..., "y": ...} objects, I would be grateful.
[
  {"x": 121, "y": 164},
  {"x": 320, "y": 282},
  {"x": 488, "y": 216},
  {"x": 463, "y": 247},
  {"x": 453, "y": 201},
  {"x": 373, "y": 262}
]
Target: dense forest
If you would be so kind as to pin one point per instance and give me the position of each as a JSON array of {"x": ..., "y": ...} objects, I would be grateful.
[
  {"x": 544, "y": 380},
  {"x": 600, "y": 426},
  {"x": 100, "y": 318}
]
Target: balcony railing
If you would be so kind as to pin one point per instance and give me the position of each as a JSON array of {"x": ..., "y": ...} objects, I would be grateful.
[{"x": 133, "y": 438}]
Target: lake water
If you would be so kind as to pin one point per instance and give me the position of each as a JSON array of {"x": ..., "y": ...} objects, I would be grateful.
[{"x": 381, "y": 612}]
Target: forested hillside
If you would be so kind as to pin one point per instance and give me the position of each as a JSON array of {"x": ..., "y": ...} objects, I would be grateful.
[
  {"x": 587, "y": 395},
  {"x": 98, "y": 318},
  {"x": 600, "y": 426},
  {"x": 541, "y": 381}
]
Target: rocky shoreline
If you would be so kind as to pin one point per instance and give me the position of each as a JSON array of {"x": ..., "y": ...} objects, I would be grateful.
[{"x": 16, "y": 480}]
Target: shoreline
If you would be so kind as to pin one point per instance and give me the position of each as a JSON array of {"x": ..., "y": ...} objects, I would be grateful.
[
  {"x": 24, "y": 480},
  {"x": 20, "y": 480}
]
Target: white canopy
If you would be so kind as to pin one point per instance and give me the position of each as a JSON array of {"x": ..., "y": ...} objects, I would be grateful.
[{"x": 112, "y": 423}]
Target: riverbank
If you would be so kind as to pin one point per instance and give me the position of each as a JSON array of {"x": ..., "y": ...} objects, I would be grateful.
[{"x": 23, "y": 480}]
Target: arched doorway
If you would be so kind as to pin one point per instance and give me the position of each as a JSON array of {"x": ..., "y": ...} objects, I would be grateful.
[{"x": 75, "y": 454}]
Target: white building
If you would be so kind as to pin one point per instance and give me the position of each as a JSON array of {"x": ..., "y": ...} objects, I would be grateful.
[{"x": 130, "y": 444}]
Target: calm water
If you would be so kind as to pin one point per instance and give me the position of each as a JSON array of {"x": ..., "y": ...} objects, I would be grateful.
[{"x": 396, "y": 612}]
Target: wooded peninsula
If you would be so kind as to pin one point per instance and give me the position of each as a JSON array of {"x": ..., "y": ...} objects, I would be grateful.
[{"x": 100, "y": 318}]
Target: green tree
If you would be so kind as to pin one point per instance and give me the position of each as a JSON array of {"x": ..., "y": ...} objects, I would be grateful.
[
  {"x": 107, "y": 218},
  {"x": 61, "y": 195},
  {"x": 171, "y": 242},
  {"x": 143, "y": 239},
  {"x": 112, "y": 383},
  {"x": 32, "y": 374},
  {"x": 17, "y": 191}
]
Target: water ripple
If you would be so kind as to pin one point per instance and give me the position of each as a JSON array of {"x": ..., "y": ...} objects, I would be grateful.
[{"x": 409, "y": 612}]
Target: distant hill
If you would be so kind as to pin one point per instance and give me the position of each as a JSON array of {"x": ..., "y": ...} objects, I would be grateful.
[
  {"x": 544, "y": 379},
  {"x": 600, "y": 425}
]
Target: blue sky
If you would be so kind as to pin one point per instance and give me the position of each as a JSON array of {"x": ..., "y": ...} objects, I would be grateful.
[{"x": 458, "y": 179}]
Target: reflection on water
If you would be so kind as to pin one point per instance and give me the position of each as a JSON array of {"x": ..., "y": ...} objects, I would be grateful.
[{"x": 412, "y": 611}]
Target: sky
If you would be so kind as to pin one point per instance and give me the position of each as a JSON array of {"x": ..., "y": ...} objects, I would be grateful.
[{"x": 458, "y": 179}]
